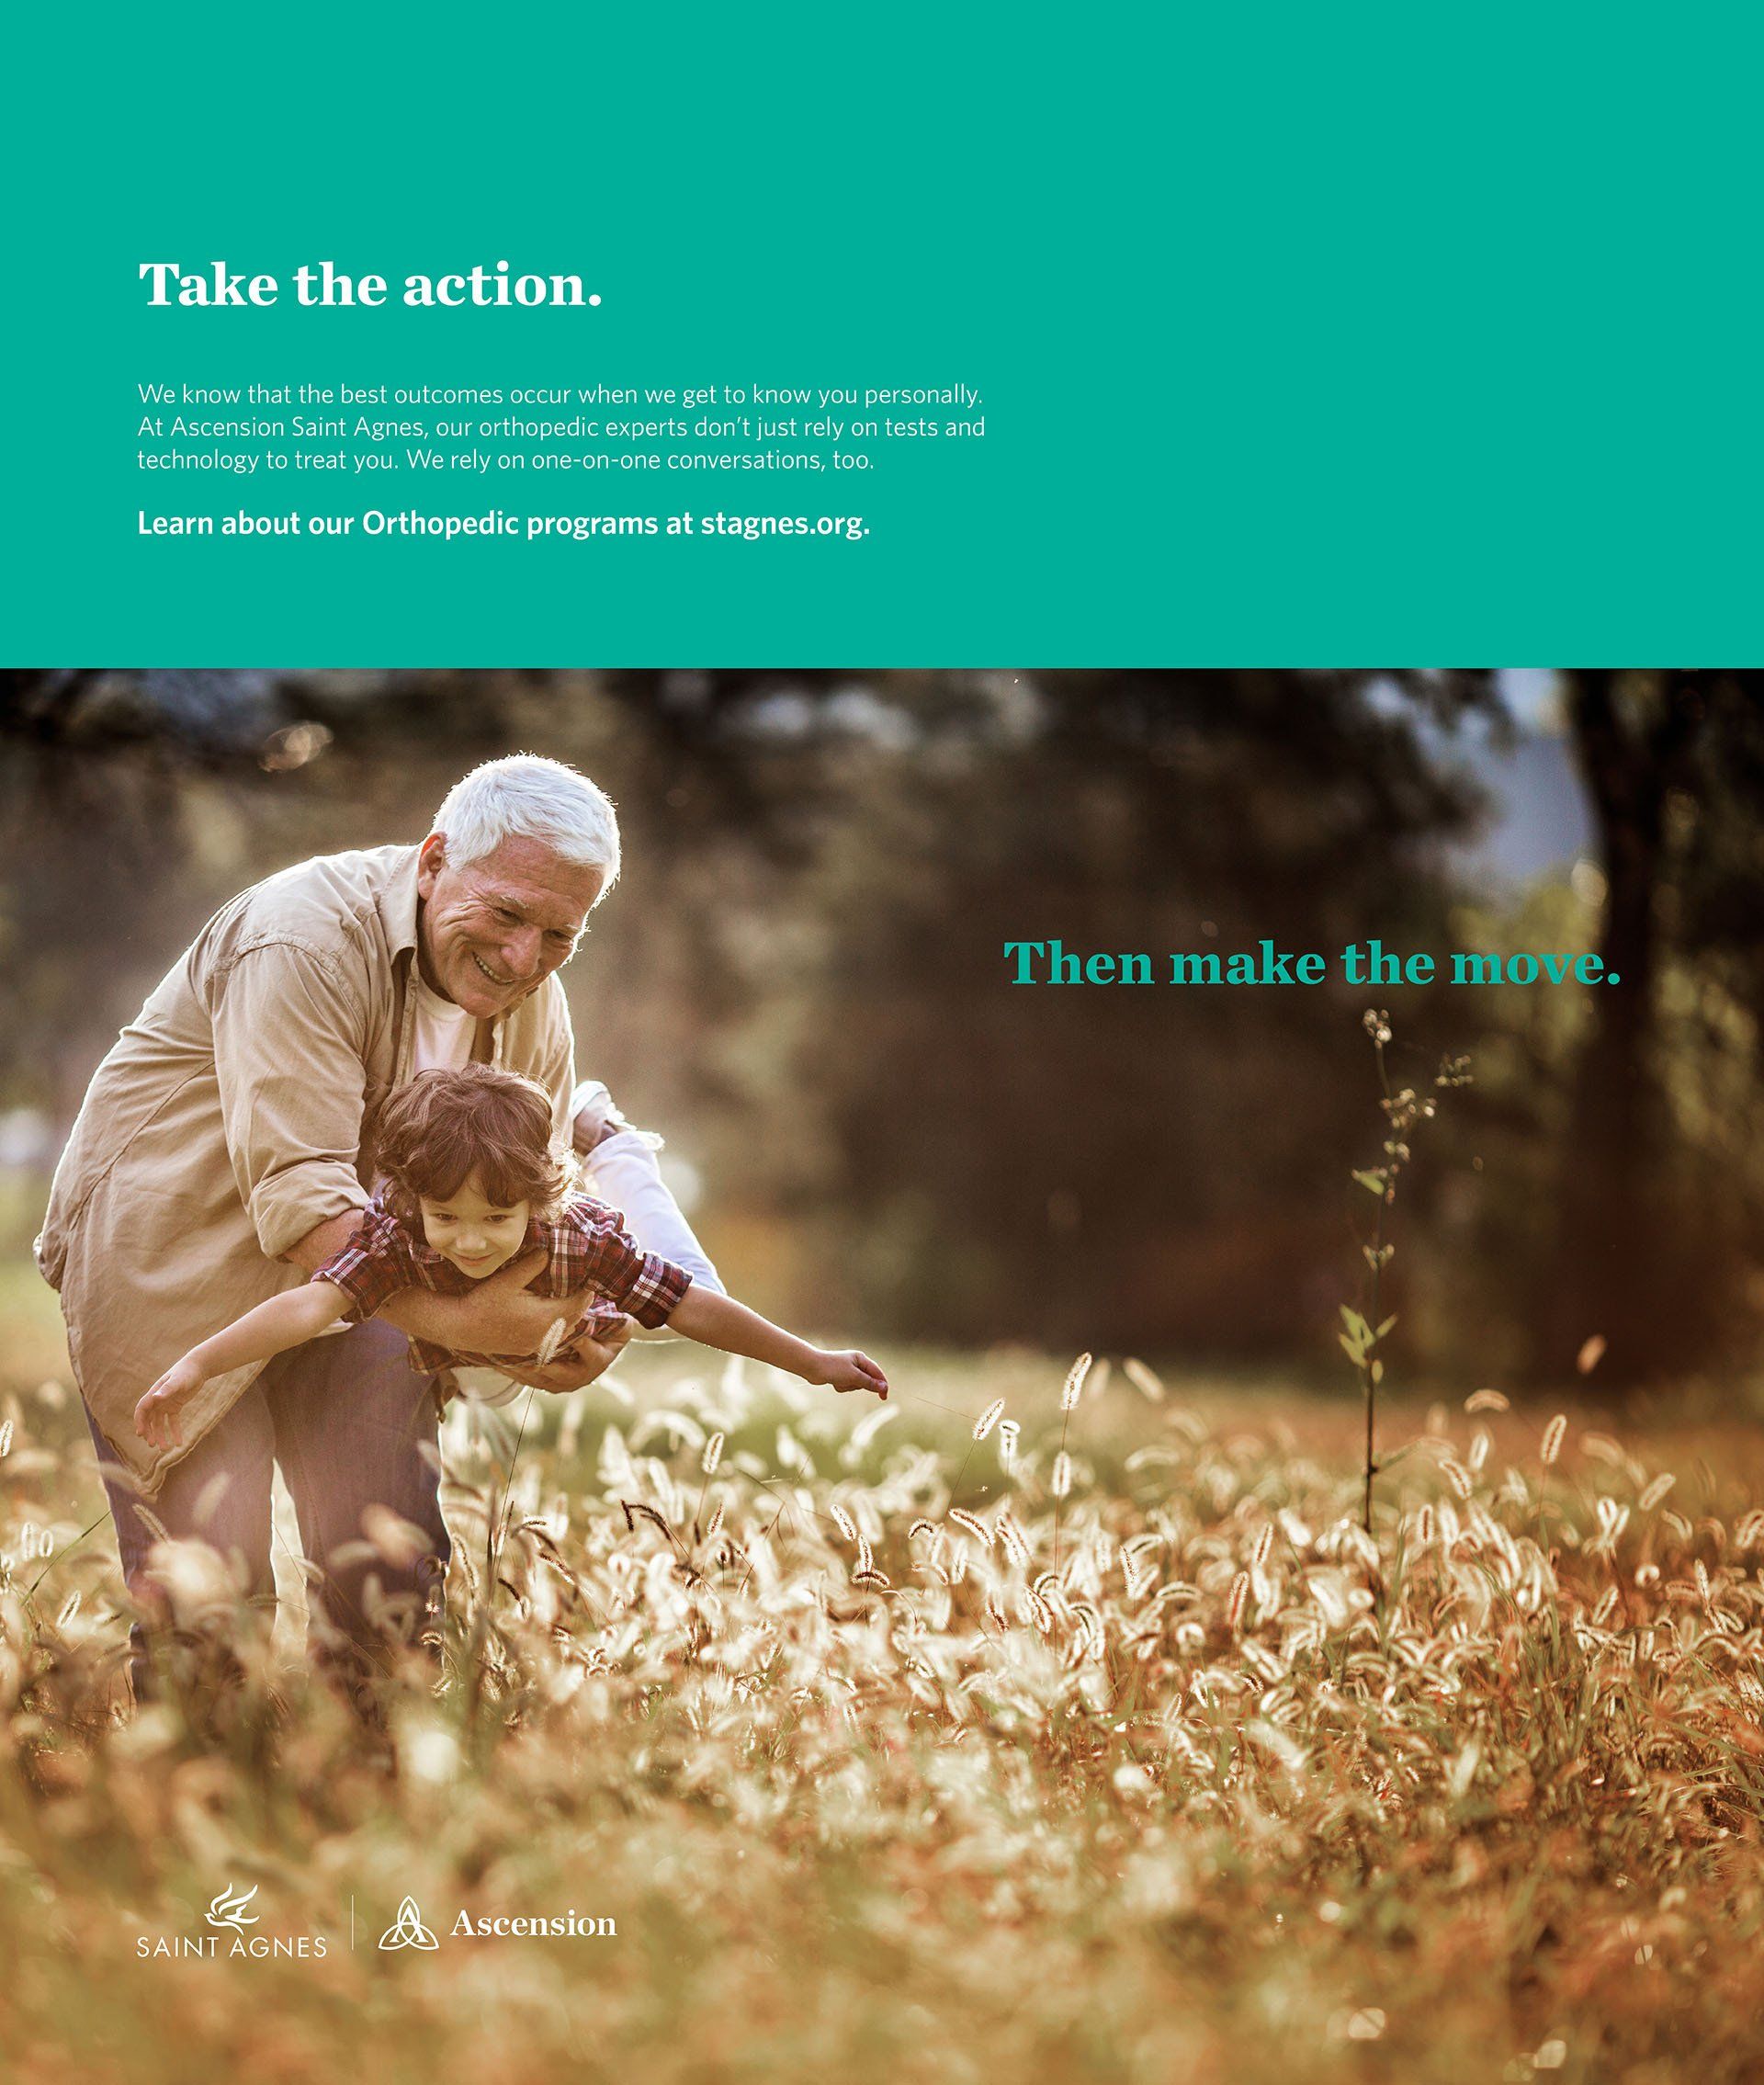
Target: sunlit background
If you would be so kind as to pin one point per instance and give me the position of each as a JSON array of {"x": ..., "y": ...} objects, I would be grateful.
[{"x": 799, "y": 979}]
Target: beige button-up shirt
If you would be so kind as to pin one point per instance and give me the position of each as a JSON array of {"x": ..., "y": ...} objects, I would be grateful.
[{"x": 231, "y": 1120}]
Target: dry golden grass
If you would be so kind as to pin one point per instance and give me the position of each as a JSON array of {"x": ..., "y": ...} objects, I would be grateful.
[{"x": 887, "y": 1763}]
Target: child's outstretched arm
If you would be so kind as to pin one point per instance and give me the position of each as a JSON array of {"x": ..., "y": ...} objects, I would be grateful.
[
  {"x": 720, "y": 1321},
  {"x": 286, "y": 1321}
]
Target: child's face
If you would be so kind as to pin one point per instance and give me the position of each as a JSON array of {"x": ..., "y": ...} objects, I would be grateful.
[{"x": 475, "y": 1234}]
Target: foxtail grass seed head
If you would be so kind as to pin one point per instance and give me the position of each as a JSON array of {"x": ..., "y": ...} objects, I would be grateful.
[
  {"x": 1239, "y": 1596},
  {"x": 1554, "y": 1434},
  {"x": 1009, "y": 1431},
  {"x": 870, "y": 1425},
  {"x": 1062, "y": 1477},
  {"x": 713, "y": 1455},
  {"x": 1145, "y": 1381},
  {"x": 1074, "y": 1388},
  {"x": 552, "y": 1341},
  {"x": 1360, "y": 1688},
  {"x": 1090, "y": 1622},
  {"x": 988, "y": 1419},
  {"x": 1487, "y": 1401}
]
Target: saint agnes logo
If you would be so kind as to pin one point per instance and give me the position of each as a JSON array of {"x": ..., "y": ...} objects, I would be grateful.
[
  {"x": 230, "y": 1912},
  {"x": 229, "y": 1909}
]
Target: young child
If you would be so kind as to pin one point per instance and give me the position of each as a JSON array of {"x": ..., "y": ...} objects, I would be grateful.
[{"x": 471, "y": 1183}]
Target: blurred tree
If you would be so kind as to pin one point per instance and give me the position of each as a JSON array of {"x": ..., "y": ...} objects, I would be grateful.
[
  {"x": 93, "y": 769},
  {"x": 1661, "y": 1215},
  {"x": 1073, "y": 1166}
]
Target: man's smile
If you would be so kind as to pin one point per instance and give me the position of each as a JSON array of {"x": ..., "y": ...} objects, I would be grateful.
[{"x": 490, "y": 934}]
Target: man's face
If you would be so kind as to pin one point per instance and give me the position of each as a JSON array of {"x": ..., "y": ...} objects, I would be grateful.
[{"x": 491, "y": 933}]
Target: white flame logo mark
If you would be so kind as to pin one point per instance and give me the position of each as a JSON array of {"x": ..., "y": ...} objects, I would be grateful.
[
  {"x": 409, "y": 1931},
  {"x": 229, "y": 1909}
]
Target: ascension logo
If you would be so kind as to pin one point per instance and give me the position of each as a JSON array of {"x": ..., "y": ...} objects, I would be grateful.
[{"x": 409, "y": 1931}]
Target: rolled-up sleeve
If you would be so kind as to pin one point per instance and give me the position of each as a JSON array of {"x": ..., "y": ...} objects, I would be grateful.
[
  {"x": 372, "y": 1268},
  {"x": 655, "y": 1291},
  {"x": 288, "y": 1054},
  {"x": 643, "y": 1284}
]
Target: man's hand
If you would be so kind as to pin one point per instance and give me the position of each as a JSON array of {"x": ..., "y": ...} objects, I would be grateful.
[
  {"x": 497, "y": 1317},
  {"x": 597, "y": 1356}
]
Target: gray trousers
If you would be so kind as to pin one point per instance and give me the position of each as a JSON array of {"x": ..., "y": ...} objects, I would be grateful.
[{"x": 349, "y": 1421}]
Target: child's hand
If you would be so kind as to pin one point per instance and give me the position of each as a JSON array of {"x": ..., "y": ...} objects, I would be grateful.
[
  {"x": 850, "y": 1371},
  {"x": 156, "y": 1416}
]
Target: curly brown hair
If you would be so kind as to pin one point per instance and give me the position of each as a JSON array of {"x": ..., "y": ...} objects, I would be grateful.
[{"x": 443, "y": 1127}]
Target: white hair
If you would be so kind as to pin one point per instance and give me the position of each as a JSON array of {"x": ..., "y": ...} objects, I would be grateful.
[{"x": 526, "y": 797}]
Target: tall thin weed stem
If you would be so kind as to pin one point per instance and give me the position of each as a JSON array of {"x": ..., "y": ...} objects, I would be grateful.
[{"x": 1364, "y": 1334}]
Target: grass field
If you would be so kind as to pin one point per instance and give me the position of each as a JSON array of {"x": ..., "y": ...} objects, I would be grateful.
[{"x": 1151, "y": 1767}]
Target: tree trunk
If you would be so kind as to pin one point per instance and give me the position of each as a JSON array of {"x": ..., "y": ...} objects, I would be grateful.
[{"x": 1607, "y": 1269}]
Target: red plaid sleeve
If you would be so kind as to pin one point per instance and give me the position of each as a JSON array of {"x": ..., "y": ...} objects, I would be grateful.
[
  {"x": 374, "y": 1266},
  {"x": 591, "y": 1246}
]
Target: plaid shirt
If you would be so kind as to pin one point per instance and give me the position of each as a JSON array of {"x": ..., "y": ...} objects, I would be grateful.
[{"x": 586, "y": 1246}]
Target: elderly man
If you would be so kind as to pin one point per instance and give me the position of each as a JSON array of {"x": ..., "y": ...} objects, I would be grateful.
[{"x": 221, "y": 1154}]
